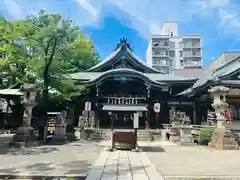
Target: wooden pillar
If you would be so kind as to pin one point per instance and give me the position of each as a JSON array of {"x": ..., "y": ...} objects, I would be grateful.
[
  {"x": 97, "y": 118},
  {"x": 194, "y": 113},
  {"x": 148, "y": 100}
]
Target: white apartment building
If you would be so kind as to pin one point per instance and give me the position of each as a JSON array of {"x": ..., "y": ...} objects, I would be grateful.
[{"x": 168, "y": 50}]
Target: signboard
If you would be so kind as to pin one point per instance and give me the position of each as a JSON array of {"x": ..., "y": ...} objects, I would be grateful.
[
  {"x": 88, "y": 106},
  {"x": 156, "y": 107},
  {"x": 135, "y": 121}
]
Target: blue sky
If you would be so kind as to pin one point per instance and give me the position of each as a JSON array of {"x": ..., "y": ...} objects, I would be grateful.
[{"x": 106, "y": 21}]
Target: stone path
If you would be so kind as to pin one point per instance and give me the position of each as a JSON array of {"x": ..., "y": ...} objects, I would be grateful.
[{"x": 123, "y": 165}]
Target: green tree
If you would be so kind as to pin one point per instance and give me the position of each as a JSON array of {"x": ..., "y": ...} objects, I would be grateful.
[
  {"x": 60, "y": 48},
  {"x": 12, "y": 52},
  {"x": 48, "y": 47}
]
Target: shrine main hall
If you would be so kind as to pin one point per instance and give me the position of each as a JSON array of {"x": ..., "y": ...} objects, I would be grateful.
[{"x": 122, "y": 84}]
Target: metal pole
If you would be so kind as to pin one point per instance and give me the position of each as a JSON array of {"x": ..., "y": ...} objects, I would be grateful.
[
  {"x": 156, "y": 120},
  {"x": 112, "y": 132},
  {"x": 135, "y": 129}
]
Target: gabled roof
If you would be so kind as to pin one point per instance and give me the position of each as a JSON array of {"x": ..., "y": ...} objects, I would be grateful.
[{"x": 123, "y": 52}]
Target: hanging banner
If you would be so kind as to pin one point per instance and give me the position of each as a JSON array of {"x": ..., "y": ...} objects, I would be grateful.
[{"x": 135, "y": 121}]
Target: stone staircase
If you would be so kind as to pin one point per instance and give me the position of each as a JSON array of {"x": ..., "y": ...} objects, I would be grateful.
[
  {"x": 100, "y": 135},
  {"x": 144, "y": 135}
]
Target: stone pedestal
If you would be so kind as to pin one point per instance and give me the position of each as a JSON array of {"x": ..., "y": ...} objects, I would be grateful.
[
  {"x": 222, "y": 138},
  {"x": 25, "y": 136},
  {"x": 175, "y": 134},
  {"x": 60, "y": 133}
]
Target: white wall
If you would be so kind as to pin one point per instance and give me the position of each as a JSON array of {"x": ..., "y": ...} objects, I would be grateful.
[{"x": 149, "y": 54}]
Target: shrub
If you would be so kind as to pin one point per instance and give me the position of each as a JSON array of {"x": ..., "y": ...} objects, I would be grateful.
[{"x": 205, "y": 135}]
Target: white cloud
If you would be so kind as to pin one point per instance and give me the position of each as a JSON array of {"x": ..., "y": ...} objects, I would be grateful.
[
  {"x": 212, "y": 3},
  {"x": 86, "y": 5},
  {"x": 13, "y": 8},
  {"x": 230, "y": 21},
  {"x": 92, "y": 10},
  {"x": 152, "y": 15}
]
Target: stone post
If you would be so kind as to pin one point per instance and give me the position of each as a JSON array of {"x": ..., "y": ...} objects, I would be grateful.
[
  {"x": 222, "y": 138},
  {"x": 175, "y": 129}
]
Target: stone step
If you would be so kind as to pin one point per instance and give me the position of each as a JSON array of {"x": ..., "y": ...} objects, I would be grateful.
[
  {"x": 144, "y": 135},
  {"x": 188, "y": 144}
]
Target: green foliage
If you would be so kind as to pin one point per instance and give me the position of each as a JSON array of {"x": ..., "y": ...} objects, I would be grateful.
[
  {"x": 205, "y": 135},
  {"x": 48, "y": 47}
]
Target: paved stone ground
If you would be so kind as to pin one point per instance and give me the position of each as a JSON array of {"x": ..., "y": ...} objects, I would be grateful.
[
  {"x": 174, "y": 160},
  {"x": 123, "y": 165},
  {"x": 72, "y": 159}
]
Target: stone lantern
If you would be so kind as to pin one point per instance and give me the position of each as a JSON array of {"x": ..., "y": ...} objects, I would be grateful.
[
  {"x": 28, "y": 101},
  {"x": 222, "y": 137},
  {"x": 219, "y": 103},
  {"x": 25, "y": 135}
]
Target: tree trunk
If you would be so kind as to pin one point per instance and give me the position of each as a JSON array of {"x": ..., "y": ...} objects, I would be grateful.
[{"x": 48, "y": 62}]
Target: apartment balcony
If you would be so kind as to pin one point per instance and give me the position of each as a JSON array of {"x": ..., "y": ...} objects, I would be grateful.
[
  {"x": 161, "y": 65},
  {"x": 192, "y": 55},
  {"x": 161, "y": 56},
  {"x": 190, "y": 63},
  {"x": 161, "y": 46},
  {"x": 192, "y": 46},
  {"x": 192, "y": 66}
]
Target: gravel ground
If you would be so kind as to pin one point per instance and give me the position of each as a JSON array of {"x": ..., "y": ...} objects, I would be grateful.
[
  {"x": 194, "y": 161},
  {"x": 72, "y": 159}
]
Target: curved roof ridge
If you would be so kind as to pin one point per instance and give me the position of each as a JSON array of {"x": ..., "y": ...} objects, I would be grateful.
[
  {"x": 142, "y": 63},
  {"x": 123, "y": 70},
  {"x": 108, "y": 58}
]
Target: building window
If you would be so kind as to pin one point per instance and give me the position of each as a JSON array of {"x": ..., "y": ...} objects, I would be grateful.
[
  {"x": 171, "y": 34},
  {"x": 172, "y": 53},
  {"x": 163, "y": 62},
  {"x": 166, "y": 44},
  {"x": 188, "y": 42},
  {"x": 181, "y": 62},
  {"x": 181, "y": 54},
  {"x": 155, "y": 44},
  {"x": 181, "y": 45},
  {"x": 195, "y": 62},
  {"x": 172, "y": 45}
]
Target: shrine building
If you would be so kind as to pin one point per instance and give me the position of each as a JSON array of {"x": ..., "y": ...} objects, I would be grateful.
[{"x": 123, "y": 84}]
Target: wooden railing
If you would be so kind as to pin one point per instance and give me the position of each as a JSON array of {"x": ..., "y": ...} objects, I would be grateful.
[{"x": 124, "y": 100}]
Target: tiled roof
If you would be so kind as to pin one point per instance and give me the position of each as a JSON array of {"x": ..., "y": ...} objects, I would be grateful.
[
  {"x": 153, "y": 76},
  {"x": 206, "y": 75},
  {"x": 191, "y": 73},
  {"x": 106, "y": 60}
]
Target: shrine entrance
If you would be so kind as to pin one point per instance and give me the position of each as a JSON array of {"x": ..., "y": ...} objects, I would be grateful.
[
  {"x": 121, "y": 117},
  {"x": 123, "y": 120}
]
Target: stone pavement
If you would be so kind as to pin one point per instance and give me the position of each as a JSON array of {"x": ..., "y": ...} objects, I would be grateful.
[
  {"x": 194, "y": 161},
  {"x": 72, "y": 159},
  {"x": 123, "y": 165}
]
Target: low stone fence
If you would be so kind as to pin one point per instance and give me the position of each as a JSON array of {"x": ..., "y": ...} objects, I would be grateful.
[{"x": 183, "y": 134}]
